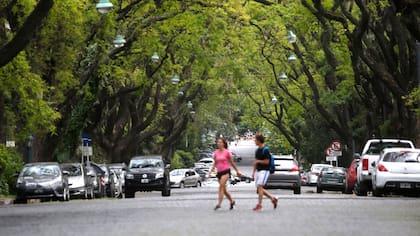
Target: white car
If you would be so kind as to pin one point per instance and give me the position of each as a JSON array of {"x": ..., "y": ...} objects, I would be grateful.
[
  {"x": 397, "y": 170},
  {"x": 315, "y": 171},
  {"x": 204, "y": 163},
  {"x": 181, "y": 178}
]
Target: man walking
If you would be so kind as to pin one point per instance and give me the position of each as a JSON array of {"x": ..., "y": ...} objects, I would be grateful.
[{"x": 262, "y": 169}]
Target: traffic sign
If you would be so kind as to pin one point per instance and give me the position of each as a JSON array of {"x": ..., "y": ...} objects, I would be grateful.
[
  {"x": 335, "y": 146},
  {"x": 10, "y": 144},
  {"x": 331, "y": 158}
]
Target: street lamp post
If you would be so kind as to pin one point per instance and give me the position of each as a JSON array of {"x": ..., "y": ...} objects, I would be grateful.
[
  {"x": 29, "y": 148},
  {"x": 104, "y": 6},
  {"x": 155, "y": 57},
  {"x": 119, "y": 41}
]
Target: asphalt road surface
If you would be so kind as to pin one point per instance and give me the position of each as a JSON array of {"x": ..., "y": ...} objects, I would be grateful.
[{"x": 190, "y": 212}]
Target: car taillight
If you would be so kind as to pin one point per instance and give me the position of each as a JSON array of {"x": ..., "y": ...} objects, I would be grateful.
[
  {"x": 382, "y": 168},
  {"x": 294, "y": 168},
  {"x": 365, "y": 164}
]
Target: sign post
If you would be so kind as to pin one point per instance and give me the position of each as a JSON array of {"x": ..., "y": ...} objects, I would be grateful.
[
  {"x": 333, "y": 152},
  {"x": 86, "y": 148}
]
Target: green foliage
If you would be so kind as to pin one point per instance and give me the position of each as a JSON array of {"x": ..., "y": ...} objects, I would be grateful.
[
  {"x": 182, "y": 159},
  {"x": 10, "y": 163}
]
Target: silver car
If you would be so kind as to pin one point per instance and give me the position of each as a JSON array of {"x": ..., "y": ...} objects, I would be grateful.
[
  {"x": 81, "y": 184},
  {"x": 286, "y": 174},
  {"x": 184, "y": 178}
]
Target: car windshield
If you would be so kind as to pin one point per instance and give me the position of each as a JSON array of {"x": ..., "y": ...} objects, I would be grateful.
[
  {"x": 318, "y": 168},
  {"x": 116, "y": 170},
  {"x": 177, "y": 173},
  {"x": 376, "y": 148},
  {"x": 74, "y": 170},
  {"x": 402, "y": 157},
  {"x": 284, "y": 163},
  {"x": 41, "y": 171},
  {"x": 146, "y": 163}
]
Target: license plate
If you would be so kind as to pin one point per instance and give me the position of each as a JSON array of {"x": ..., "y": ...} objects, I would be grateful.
[
  {"x": 144, "y": 181},
  {"x": 332, "y": 181},
  {"x": 405, "y": 185}
]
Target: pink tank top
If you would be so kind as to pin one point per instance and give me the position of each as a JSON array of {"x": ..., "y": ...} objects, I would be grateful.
[{"x": 222, "y": 159}]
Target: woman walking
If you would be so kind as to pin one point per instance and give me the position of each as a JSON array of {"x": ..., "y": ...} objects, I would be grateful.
[{"x": 222, "y": 161}]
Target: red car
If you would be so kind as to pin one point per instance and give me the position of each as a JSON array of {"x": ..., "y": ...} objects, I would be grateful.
[{"x": 351, "y": 176}]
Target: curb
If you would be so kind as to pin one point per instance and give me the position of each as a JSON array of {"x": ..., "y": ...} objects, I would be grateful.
[{"x": 6, "y": 201}]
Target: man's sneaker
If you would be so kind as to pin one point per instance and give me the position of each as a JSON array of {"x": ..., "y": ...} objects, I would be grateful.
[
  {"x": 275, "y": 201},
  {"x": 258, "y": 208}
]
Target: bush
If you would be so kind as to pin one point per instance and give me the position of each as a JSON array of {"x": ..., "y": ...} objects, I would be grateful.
[{"x": 10, "y": 163}]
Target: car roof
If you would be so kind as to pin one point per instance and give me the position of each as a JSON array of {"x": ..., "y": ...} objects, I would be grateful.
[
  {"x": 283, "y": 157},
  {"x": 386, "y": 150},
  {"x": 147, "y": 157},
  {"x": 41, "y": 164},
  {"x": 326, "y": 165},
  {"x": 71, "y": 164},
  {"x": 389, "y": 140}
]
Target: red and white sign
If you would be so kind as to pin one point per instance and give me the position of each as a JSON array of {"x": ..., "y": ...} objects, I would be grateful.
[{"x": 334, "y": 149}]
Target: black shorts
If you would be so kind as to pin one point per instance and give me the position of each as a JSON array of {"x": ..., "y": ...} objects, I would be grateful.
[{"x": 221, "y": 173}]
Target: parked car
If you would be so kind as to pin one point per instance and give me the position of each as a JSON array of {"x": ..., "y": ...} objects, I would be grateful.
[
  {"x": 236, "y": 157},
  {"x": 315, "y": 171},
  {"x": 370, "y": 154},
  {"x": 98, "y": 179},
  {"x": 119, "y": 169},
  {"x": 304, "y": 178},
  {"x": 147, "y": 173},
  {"x": 181, "y": 178},
  {"x": 204, "y": 163},
  {"x": 397, "y": 170},
  {"x": 80, "y": 183},
  {"x": 109, "y": 180},
  {"x": 42, "y": 180},
  {"x": 351, "y": 176},
  {"x": 118, "y": 183},
  {"x": 202, "y": 172},
  {"x": 286, "y": 174},
  {"x": 331, "y": 179}
]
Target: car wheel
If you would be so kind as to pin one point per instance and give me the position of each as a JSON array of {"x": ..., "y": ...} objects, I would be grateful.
[
  {"x": 347, "y": 190},
  {"x": 360, "y": 189},
  {"x": 377, "y": 192},
  {"x": 318, "y": 189},
  {"x": 129, "y": 193},
  {"x": 297, "y": 190}
]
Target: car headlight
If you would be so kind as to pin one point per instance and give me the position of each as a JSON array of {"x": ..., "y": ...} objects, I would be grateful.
[
  {"x": 159, "y": 175},
  {"x": 19, "y": 181},
  {"x": 129, "y": 176}
]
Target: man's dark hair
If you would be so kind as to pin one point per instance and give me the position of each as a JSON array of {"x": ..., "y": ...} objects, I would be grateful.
[{"x": 260, "y": 137}]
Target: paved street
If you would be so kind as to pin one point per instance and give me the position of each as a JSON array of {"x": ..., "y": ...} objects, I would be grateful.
[{"x": 190, "y": 212}]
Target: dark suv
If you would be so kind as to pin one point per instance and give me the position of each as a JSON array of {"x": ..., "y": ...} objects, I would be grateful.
[{"x": 147, "y": 173}]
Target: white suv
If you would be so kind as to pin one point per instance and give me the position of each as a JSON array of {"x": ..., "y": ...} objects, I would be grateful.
[{"x": 398, "y": 169}]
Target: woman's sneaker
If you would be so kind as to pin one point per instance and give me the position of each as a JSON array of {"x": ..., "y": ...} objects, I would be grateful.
[
  {"x": 275, "y": 201},
  {"x": 258, "y": 208}
]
